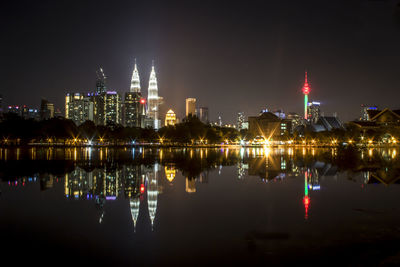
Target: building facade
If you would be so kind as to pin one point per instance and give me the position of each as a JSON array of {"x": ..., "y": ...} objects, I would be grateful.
[
  {"x": 46, "y": 110},
  {"x": 203, "y": 115},
  {"x": 268, "y": 125},
  {"x": 133, "y": 103},
  {"x": 170, "y": 118},
  {"x": 313, "y": 111},
  {"x": 153, "y": 100},
  {"x": 112, "y": 108},
  {"x": 79, "y": 108},
  {"x": 190, "y": 107}
]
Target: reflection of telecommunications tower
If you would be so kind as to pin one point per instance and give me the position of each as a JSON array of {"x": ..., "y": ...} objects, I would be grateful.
[
  {"x": 153, "y": 100},
  {"x": 306, "y": 199},
  {"x": 306, "y": 91}
]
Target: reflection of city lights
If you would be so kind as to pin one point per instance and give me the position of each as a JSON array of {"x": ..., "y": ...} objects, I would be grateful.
[
  {"x": 170, "y": 173},
  {"x": 266, "y": 150},
  {"x": 142, "y": 188}
]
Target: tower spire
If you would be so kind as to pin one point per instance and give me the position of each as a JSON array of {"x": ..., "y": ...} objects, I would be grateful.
[
  {"x": 135, "y": 82},
  {"x": 153, "y": 100}
]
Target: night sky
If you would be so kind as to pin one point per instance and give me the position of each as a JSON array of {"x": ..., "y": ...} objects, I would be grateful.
[{"x": 232, "y": 57}]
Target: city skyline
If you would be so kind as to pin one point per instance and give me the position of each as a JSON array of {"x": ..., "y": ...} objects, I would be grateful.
[{"x": 349, "y": 50}]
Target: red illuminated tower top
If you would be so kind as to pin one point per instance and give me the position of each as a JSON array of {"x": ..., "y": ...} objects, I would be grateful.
[{"x": 306, "y": 88}]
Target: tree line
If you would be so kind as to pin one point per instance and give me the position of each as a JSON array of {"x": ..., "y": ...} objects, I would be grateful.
[{"x": 191, "y": 130}]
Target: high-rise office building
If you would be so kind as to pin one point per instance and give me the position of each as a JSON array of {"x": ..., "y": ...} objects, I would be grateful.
[
  {"x": 101, "y": 87},
  {"x": 132, "y": 108},
  {"x": 203, "y": 115},
  {"x": 79, "y": 108},
  {"x": 313, "y": 111},
  {"x": 364, "y": 111},
  {"x": 98, "y": 108},
  {"x": 170, "y": 118},
  {"x": 153, "y": 100},
  {"x": 46, "y": 110},
  {"x": 240, "y": 120},
  {"x": 190, "y": 106},
  {"x": 112, "y": 107},
  {"x": 295, "y": 118},
  {"x": 133, "y": 104},
  {"x": 135, "y": 81},
  {"x": 98, "y": 98}
]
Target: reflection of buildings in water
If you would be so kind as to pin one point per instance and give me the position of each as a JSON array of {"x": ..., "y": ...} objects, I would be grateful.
[
  {"x": 190, "y": 185},
  {"x": 170, "y": 172},
  {"x": 78, "y": 183},
  {"x": 112, "y": 184},
  {"x": 241, "y": 169},
  {"x": 366, "y": 176},
  {"x": 134, "y": 204},
  {"x": 203, "y": 177},
  {"x": 270, "y": 167},
  {"x": 46, "y": 181},
  {"x": 152, "y": 193},
  {"x": 385, "y": 176},
  {"x": 132, "y": 189},
  {"x": 131, "y": 179}
]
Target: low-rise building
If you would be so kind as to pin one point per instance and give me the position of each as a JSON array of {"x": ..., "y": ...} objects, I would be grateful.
[{"x": 269, "y": 125}]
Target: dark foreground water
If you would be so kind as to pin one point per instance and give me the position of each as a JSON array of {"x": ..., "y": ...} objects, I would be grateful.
[{"x": 199, "y": 206}]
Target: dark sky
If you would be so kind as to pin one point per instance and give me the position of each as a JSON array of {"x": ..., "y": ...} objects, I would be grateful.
[{"x": 231, "y": 56}]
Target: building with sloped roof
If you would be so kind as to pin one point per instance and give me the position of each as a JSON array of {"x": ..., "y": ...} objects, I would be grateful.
[
  {"x": 326, "y": 123},
  {"x": 269, "y": 125},
  {"x": 379, "y": 119}
]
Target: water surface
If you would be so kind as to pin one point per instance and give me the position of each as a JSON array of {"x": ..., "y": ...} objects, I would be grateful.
[{"x": 192, "y": 206}]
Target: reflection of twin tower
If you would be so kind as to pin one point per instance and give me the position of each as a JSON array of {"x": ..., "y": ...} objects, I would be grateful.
[{"x": 152, "y": 194}]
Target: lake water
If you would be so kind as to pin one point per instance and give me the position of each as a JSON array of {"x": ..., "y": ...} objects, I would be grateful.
[{"x": 152, "y": 206}]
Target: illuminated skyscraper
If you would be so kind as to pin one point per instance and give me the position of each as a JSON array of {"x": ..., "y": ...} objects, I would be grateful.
[
  {"x": 190, "y": 106},
  {"x": 112, "y": 107},
  {"x": 78, "y": 108},
  {"x": 135, "y": 82},
  {"x": 313, "y": 111},
  {"x": 153, "y": 100},
  {"x": 364, "y": 111},
  {"x": 101, "y": 82},
  {"x": 98, "y": 98},
  {"x": 306, "y": 91},
  {"x": 240, "y": 121},
  {"x": 133, "y": 102}
]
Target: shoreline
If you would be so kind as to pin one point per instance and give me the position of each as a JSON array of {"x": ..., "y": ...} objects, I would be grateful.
[{"x": 60, "y": 145}]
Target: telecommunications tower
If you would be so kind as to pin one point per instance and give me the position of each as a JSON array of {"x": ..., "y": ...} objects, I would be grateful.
[{"x": 306, "y": 91}]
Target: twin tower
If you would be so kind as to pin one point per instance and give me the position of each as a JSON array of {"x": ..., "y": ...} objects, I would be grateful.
[{"x": 137, "y": 113}]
